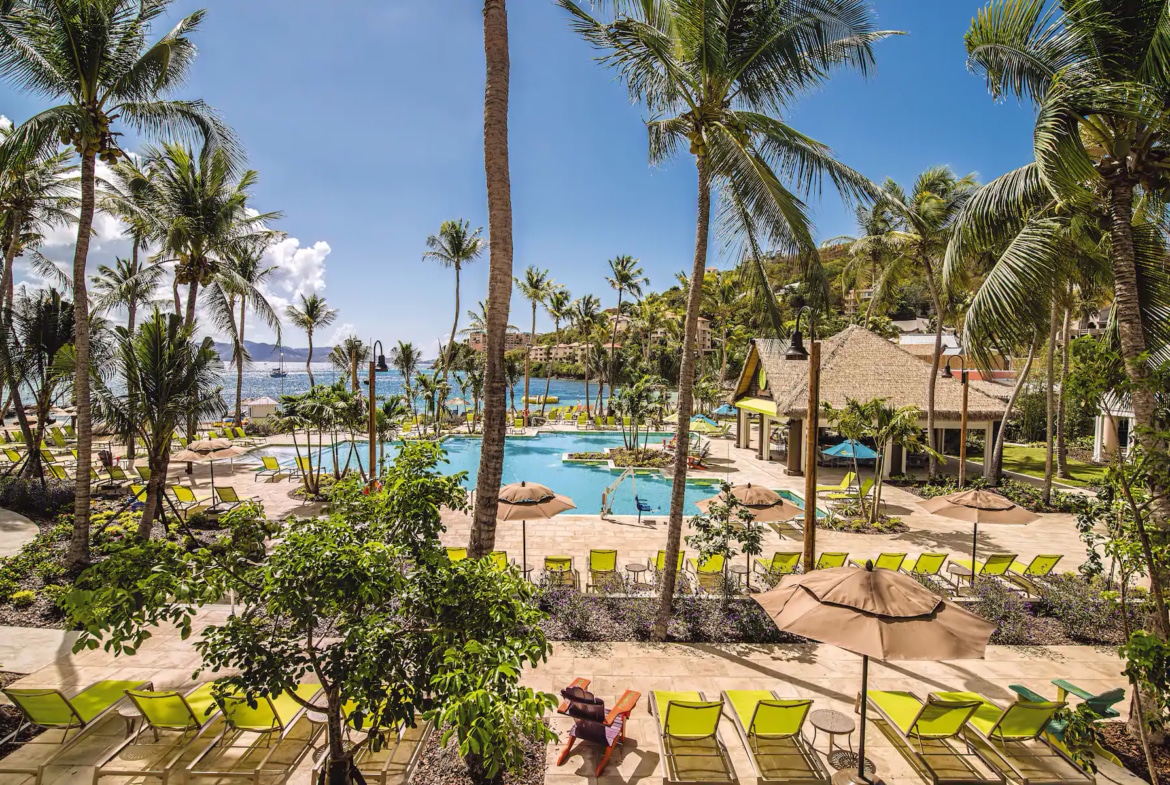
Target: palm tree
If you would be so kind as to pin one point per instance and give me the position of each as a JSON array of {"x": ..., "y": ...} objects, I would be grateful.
[
  {"x": 535, "y": 287},
  {"x": 586, "y": 314},
  {"x": 405, "y": 359},
  {"x": 1096, "y": 72},
  {"x": 869, "y": 252},
  {"x": 924, "y": 220},
  {"x": 722, "y": 295},
  {"x": 175, "y": 378},
  {"x": 348, "y": 356},
  {"x": 108, "y": 73},
  {"x": 712, "y": 75},
  {"x": 625, "y": 277},
  {"x": 499, "y": 196},
  {"x": 313, "y": 314},
  {"x": 455, "y": 246},
  {"x": 558, "y": 305}
]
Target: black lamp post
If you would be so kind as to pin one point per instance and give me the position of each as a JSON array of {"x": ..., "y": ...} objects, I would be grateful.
[
  {"x": 796, "y": 351},
  {"x": 375, "y": 368},
  {"x": 948, "y": 374}
]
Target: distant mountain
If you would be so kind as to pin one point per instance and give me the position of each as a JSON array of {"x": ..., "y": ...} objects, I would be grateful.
[{"x": 270, "y": 353}]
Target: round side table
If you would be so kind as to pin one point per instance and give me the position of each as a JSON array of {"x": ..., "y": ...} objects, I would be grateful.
[
  {"x": 636, "y": 569},
  {"x": 740, "y": 571},
  {"x": 834, "y": 723}
]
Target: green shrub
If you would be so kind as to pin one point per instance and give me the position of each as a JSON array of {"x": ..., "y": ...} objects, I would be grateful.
[
  {"x": 54, "y": 592},
  {"x": 35, "y": 497},
  {"x": 23, "y": 598}
]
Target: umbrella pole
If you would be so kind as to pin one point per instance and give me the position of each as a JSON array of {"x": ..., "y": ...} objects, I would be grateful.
[
  {"x": 861, "y": 725},
  {"x": 974, "y": 548},
  {"x": 524, "y": 549}
]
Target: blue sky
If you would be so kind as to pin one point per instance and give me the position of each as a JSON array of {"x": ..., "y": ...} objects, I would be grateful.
[{"x": 365, "y": 124}]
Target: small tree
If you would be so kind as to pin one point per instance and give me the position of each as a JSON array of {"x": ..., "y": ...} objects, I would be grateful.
[
  {"x": 728, "y": 523},
  {"x": 364, "y": 600}
]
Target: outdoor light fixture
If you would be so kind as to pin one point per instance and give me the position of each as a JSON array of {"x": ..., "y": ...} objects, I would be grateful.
[
  {"x": 796, "y": 350},
  {"x": 948, "y": 374},
  {"x": 381, "y": 366}
]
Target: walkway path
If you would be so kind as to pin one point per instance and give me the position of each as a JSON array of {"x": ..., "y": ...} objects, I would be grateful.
[{"x": 16, "y": 531}]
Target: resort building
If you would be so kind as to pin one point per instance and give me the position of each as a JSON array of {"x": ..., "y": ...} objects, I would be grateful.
[
  {"x": 705, "y": 341},
  {"x": 858, "y": 364},
  {"x": 857, "y": 300},
  {"x": 477, "y": 340},
  {"x": 1113, "y": 429}
]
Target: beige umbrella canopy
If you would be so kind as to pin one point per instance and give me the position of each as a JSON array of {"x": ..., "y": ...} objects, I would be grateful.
[
  {"x": 765, "y": 504},
  {"x": 528, "y": 501},
  {"x": 875, "y": 613},
  {"x": 978, "y": 506},
  {"x": 211, "y": 450}
]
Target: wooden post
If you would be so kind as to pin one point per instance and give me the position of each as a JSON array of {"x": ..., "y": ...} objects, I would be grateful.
[
  {"x": 963, "y": 435},
  {"x": 810, "y": 457},
  {"x": 373, "y": 428}
]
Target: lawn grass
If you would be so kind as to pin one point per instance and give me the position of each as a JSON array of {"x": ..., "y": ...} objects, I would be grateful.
[{"x": 1030, "y": 461}]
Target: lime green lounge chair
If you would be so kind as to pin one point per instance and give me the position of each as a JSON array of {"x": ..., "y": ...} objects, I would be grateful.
[
  {"x": 770, "y": 728},
  {"x": 49, "y": 709},
  {"x": 658, "y": 563},
  {"x": 303, "y": 468},
  {"x": 143, "y": 472},
  {"x": 995, "y": 566},
  {"x": 830, "y": 559},
  {"x": 118, "y": 477},
  {"x": 559, "y": 572},
  {"x": 499, "y": 559},
  {"x": 709, "y": 573},
  {"x": 270, "y": 468},
  {"x": 782, "y": 563},
  {"x": 250, "y": 729},
  {"x": 603, "y": 571},
  {"x": 1026, "y": 575},
  {"x": 138, "y": 492},
  {"x": 846, "y": 483},
  {"x": 582, "y": 422},
  {"x": 688, "y": 738},
  {"x": 456, "y": 554},
  {"x": 227, "y": 499},
  {"x": 866, "y": 489},
  {"x": 925, "y": 564},
  {"x": 165, "y": 712},
  {"x": 931, "y": 731},
  {"x": 12, "y": 455},
  {"x": 884, "y": 561},
  {"x": 1017, "y": 737},
  {"x": 185, "y": 498},
  {"x": 58, "y": 471}
]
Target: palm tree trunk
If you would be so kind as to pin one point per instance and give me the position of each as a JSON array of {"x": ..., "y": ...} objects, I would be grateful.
[
  {"x": 1133, "y": 348},
  {"x": 192, "y": 294},
  {"x": 1050, "y": 401},
  {"x": 78, "y": 553},
  {"x": 5, "y": 355},
  {"x": 528, "y": 363},
  {"x": 1061, "y": 407},
  {"x": 499, "y": 188},
  {"x": 1001, "y": 438},
  {"x": 175, "y": 293},
  {"x": 155, "y": 489},
  {"x": 932, "y": 382},
  {"x": 309, "y": 359},
  {"x": 685, "y": 393},
  {"x": 240, "y": 366},
  {"x": 454, "y": 328},
  {"x": 612, "y": 344},
  {"x": 548, "y": 367},
  {"x": 585, "y": 368}
]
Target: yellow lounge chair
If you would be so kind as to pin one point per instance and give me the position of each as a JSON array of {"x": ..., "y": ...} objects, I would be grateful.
[
  {"x": 994, "y": 566},
  {"x": 185, "y": 498},
  {"x": 830, "y": 559},
  {"x": 658, "y": 563},
  {"x": 884, "y": 561},
  {"x": 456, "y": 554},
  {"x": 689, "y": 746},
  {"x": 931, "y": 731},
  {"x": 143, "y": 472},
  {"x": 1026, "y": 575},
  {"x": 227, "y": 499},
  {"x": 770, "y": 728},
  {"x": 603, "y": 571},
  {"x": 846, "y": 483},
  {"x": 709, "y": 573},
  {"x": 925, "y": 564},
  {"x": 559, "y": 572},
  {"x": 782, "y": 563}
]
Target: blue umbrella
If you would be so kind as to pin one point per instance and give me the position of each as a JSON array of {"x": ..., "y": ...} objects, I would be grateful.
[
  {"x": 725, "y": 409},
  {"x": 851, "y": 449},
  {"x": 704, "y": 419}
]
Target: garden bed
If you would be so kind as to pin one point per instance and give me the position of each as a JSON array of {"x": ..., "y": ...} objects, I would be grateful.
[
  {"x": 1128, "y": 748},
  {"x": 1026, "y": 495},
  {"x": 438, "y": 765}
]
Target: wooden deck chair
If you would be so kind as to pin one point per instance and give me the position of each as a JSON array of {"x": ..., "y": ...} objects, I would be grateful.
[
  {"x": 603, "y": 571},
  {"x": 884, "y": 561},
  {"x": 143, "y": 472},
  {"x": 49, "y": 709},
  {"x": 1016, "y": 737},
  {"x": 782, "y": 563},
  {"x": 995, "y": 566},
  {"x": 709, "y": 573},
  {"x": 830, "y": 559},
  {"x": 456, "y": 554},
  {"x": 931, "y": 732},
  {"x": 163, "y": 712},
  {"x": 592, "y": 723},
  {"x": 1026, "y": 575},
  {"x": 770, "y": 728},
  {"x": 846, "y": 483},
  {"x": 925, "y": 564},
  {"x": 227, "y": 499},
  {"x": 271, "y": 718},
  {"x": 270, "y": 468},
  {"x": 688, "y": 738},
  {"x": 558, "y": 571},
  {"x": 658, "y": 563}
]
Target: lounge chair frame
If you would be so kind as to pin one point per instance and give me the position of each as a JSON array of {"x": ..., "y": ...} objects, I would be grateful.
[
  {"x": 818, "y": 773},
  {"x": 922, "y": 757},
  {"x": 667, "y": 753}
]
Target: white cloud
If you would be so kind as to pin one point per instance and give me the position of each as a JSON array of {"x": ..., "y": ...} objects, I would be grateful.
[
  {"x": 340, "y": 333},
  {"x": 5, "y": 123},
  {"x": 299, "y": 271}
]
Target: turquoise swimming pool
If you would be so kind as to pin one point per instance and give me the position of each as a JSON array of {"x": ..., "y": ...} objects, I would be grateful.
[{"x": 539, "y": 459}]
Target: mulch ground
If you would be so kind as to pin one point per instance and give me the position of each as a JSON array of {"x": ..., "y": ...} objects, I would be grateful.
[
  {"x": 10, "y": 718},
  {"x": 1129, "y": 749},
  {"x": 443, "y": 765}
]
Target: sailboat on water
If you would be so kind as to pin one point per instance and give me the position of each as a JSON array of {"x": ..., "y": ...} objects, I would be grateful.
[{"x": 279, "y": 372}]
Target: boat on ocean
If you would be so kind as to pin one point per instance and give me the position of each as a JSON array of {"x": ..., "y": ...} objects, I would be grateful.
[{"x": 279, "y": 372}]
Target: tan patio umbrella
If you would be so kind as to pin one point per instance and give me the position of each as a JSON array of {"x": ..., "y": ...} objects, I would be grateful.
[
  {"x": 882, "y": 614},
  {"x": 766, "y": 505},
  {"x": 528, "y": 501},
  {"x": 978, "y": 506},
  {"x": 209, "y": 450}
]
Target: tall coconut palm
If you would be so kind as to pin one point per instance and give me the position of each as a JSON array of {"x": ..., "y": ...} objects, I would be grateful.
[
  {"x": 313, "y": 314},
  {"x": 128, "y": 284},
  {"x": 870, "y": 251},
  {"x": 499, "y": 196},
  {"x": 625, "y": 278},
  {"x": 455, "y": 246},
  {"x": 93, "y": 60},
  {"x": 924, "y": 220},
  {"x": 348, "y": 356},
  {"x": 535, "y": 287},
  {"x": 559, "y": 308},
  {"x": 1098, "y": 73},
  {"x": 405, "y": 359},
  {"x": 586, "y": 316},
  {"x": 714, "y": 76}
]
